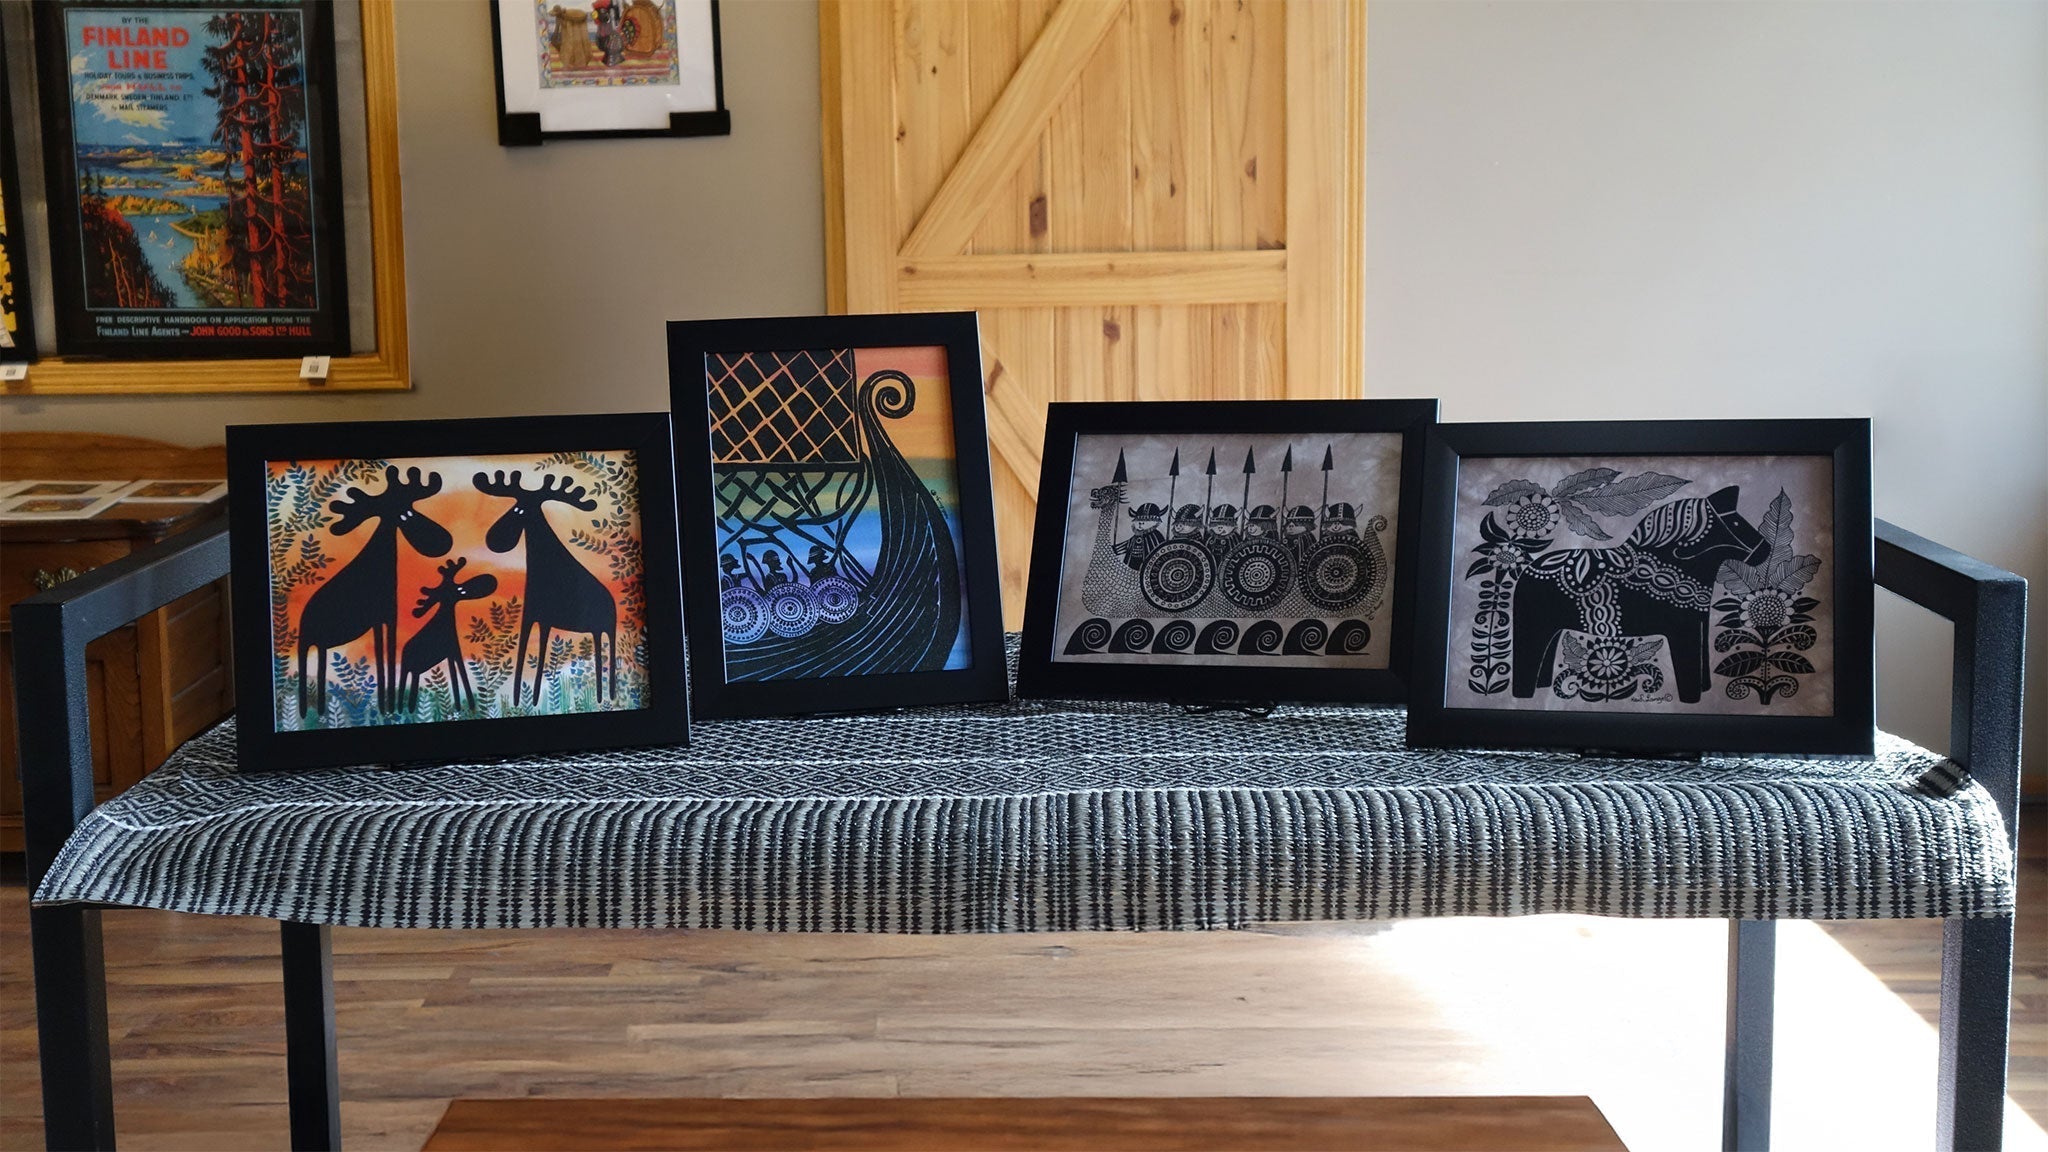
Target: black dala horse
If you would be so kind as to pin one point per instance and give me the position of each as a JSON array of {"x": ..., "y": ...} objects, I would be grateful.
[{"x": 1658, "y": 582}]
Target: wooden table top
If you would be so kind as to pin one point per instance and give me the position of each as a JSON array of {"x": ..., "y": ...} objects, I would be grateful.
[
  {"x": 94, "y": 456},
  {"x": 1418, "y": 1123}
]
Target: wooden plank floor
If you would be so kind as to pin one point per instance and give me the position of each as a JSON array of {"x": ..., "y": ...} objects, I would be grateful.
[{"x": 1627, "y": 1012}]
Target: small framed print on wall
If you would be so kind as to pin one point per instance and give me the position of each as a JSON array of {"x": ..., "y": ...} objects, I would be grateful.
[
  {"x": 1647, "y": 587},
  {"x": 1225, "y": 551},
  {"x": 194, "y": 178},
  {"x": 581, "y": 69},
  {"x": 444, "y": 589},
  {"x": 834, "y": 484}
]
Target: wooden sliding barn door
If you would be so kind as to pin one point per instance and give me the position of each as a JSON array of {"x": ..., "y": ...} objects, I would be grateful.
[{"x": 1144, "y": 199}]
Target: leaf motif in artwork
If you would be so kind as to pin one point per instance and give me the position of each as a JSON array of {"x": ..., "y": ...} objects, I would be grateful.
[
  {"x": 1580, "y": 481},
  {"x": 1480, "y": 565},
  {"x": 1578, "y": 521},
  {"x": 1512, "y": 490},
  {"x": 1630, "y": 496},
  {"x": 1797, "y": 573},
  {"x": 1490, "y": 531},
  {"x": 1777, "y": 525},
  {"x": 1645, "y": 650},
  {"x": 1790, "y": 662},
  {"x": 1799, "y": 636},
  {"x": 1574, "y": 652},
  {"x": 1740, "y": 664},
  {"x": 1733, "y": 637},
  {"x": 1738, "y": 577}
]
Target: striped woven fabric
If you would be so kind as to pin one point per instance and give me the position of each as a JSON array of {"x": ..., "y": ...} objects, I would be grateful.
[{"x": 1038, "y": 817}]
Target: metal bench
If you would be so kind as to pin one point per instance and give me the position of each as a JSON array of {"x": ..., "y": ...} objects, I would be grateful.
[{"x": 1032, "y": 817}]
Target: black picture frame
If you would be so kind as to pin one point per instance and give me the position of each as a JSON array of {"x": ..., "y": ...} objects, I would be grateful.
[
  {"x": 691, "y": 344},
  {"x": 1848, "y": 731},
  {"x": 1040, "y": 675},
  {"x": 16, "y": 300},
  {"x": 169, "y": 331},
  {"x": 522, "y": 129},
  {"x": 252, "y": 449}
]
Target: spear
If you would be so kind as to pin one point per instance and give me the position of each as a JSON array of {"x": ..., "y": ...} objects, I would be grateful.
[
  {"x": 1209, "y": 499},
  {"x": 1172, "y": 485},
  {"x": 1286, "y": 466},
  {"x": 1245, "y": 505},
  {"x": 1120, "y": 479},
  {"x": 1327, "y": 465}
]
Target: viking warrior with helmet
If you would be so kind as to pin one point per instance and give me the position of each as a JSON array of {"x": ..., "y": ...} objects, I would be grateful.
[{"x": 1145, "y": 535}]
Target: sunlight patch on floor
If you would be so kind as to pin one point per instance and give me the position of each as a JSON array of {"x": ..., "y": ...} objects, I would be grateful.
[{"x": 1632, "y": 1013}]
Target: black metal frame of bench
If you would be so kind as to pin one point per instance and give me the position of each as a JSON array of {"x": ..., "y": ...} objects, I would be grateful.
[{"x": 51, "y": 630}]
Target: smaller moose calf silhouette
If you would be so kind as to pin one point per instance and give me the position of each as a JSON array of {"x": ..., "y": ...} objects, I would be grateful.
[{"x": 436, "y": 642}]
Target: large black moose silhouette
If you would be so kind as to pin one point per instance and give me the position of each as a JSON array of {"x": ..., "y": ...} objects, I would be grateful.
[
  {"x": 560, "y": 591},
  {"x": 1659, "y": 582},
  {"x": 363, "y": 596},
  {"x": 437, "y": 642}
]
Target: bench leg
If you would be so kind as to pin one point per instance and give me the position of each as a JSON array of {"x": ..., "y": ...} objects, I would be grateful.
[
  {"x": 1976, "y": 994},
  {"x": 1752, "y": 985},
  {"x": 71, "y": 1027},
  {"x": 311, "y": 1074}
]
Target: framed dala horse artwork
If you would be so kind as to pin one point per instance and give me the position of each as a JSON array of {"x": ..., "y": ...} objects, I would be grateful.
[
  {"x": 1245, "y": 552},
  {"x": 834, "y": 487},
  {"x": 447, "y": 589},
  {"x": 1647, "y": 587}
]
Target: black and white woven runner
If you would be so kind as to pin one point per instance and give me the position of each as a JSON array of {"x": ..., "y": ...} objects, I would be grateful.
[{"x": 1042, "y": 817}]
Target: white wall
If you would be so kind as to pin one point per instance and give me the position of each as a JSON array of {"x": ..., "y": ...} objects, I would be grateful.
[{"x": 1582, "y": 210}]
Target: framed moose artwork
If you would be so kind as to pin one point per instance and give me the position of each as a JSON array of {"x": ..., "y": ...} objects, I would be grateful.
[
  {"x": 1241, "y": 551},
  {"x": 438, "y": 590},
  {"x": 1647, "y": 587}
]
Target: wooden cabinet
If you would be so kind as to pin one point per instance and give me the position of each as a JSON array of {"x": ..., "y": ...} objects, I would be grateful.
[{"x": 153, "y": 684}]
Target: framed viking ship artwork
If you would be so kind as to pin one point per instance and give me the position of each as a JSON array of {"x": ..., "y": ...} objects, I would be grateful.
[
  {"x": 834, "y": 486},
  {"x": 194, "y": 185},
  {"x": 1647, "y": 587},
  {"x": 17, "y": 314},
  {"x": 450, "y": 589},
  {"x": 583, "y": 69},
  {"x": 1243, "y": 552}
]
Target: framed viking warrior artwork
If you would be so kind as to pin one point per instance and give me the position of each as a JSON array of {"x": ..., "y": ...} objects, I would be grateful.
[
  {"x": 1647, "y": 587},
  {"x": 834, "y": 487},
  {"x": 17, "y": 315},
  {"x": 194, "y": 184},
  {"x": 444, "y": 589},
  {"x": 578, "y": 69},
  {"x": 1225, "y": 551}
]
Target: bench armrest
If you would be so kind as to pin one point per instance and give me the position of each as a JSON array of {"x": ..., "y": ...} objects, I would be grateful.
[
  {"x": 51, "y": 630},
  {"x": 1988, "y": 606}
]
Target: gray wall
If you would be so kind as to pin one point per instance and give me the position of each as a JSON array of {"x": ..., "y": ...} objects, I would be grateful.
[
  {"x": 1576, "y": 209},
  {"x": 1694, "y": 210}
]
